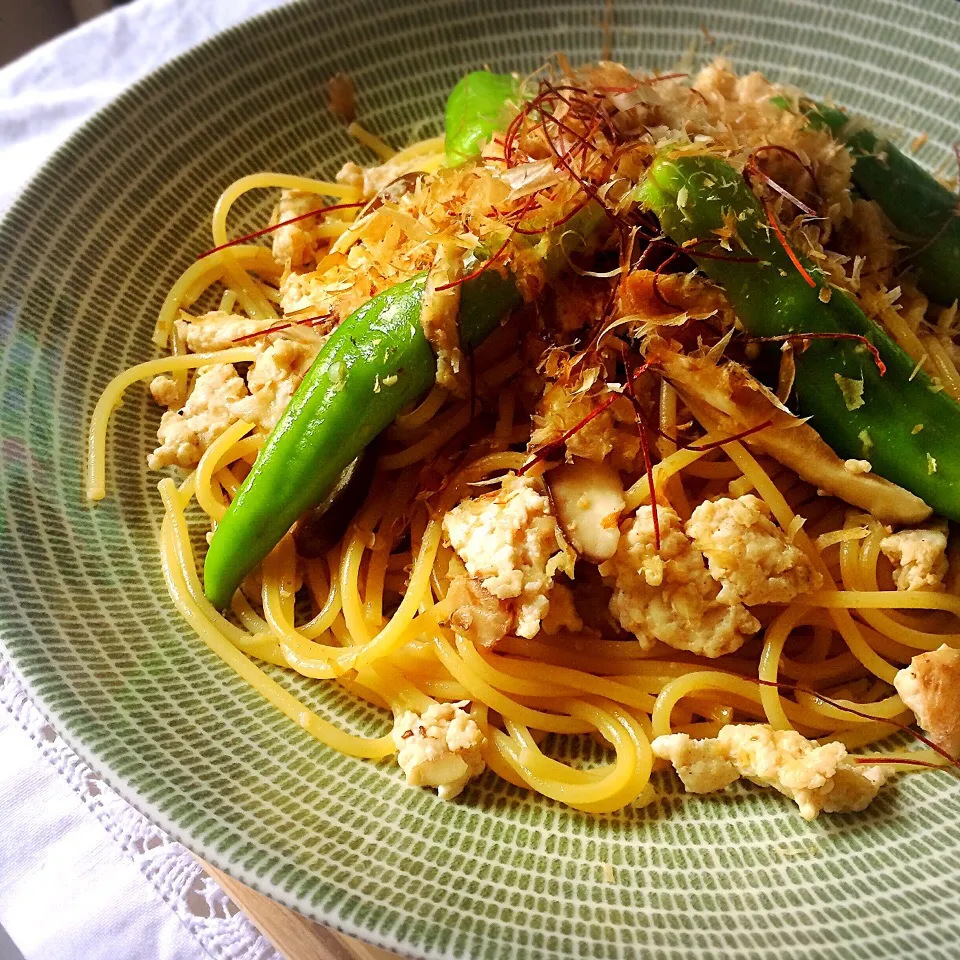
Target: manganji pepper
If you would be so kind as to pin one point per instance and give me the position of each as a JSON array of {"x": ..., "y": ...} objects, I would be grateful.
[
  {"x": 923, "y": 211},
  {"x": 900, "y": 420}
]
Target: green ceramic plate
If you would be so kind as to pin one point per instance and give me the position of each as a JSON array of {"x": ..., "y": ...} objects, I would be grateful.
[{"x": 85, "y": 258}]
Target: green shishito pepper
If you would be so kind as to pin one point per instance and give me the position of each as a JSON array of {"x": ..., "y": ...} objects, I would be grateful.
[
  {"x": 901, "y": 421},
  {"x": 923, "y": 211},
  {"x": 475, "y": 109},
  {"x": 374, "y": 364}
]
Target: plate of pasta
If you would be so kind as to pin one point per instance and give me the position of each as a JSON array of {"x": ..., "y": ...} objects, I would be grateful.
[{"x": 500, "y": 501}]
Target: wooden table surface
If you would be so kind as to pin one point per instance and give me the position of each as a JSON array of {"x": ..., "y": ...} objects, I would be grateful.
[{"x": 294, "y": 936}]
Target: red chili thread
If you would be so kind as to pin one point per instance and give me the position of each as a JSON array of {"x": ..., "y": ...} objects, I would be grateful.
[
  {"x": 486, "y": 263},
  {"x": 777, "y": 148},
  {"x": 865, "y": 716},
  {"x": 753, "y": 168},
  {"x": 789, "y": 337},
  {"x": 513, "y": 130},
  {"x": 587, "y": 187},
  {"x": 510, "y": 135},
  {"x": 656, "y": 283},
  {"x": 713, "y": 444},
  {"x": 310, "y": 321},
  {"x": 667, "y": 76},
  {"x": 540, "y": 454},
  {"x": 904, "y": 760},
  {"x": 786, "y": 194},
  {"x": 596, "y": 111},
  {"x": 282, "y": 223},
  {"x": 626, "y": 148},
  {"x": 794, "y": 259},
  {"x": 533, "y": 231},
  {"x": 564, "y": 88},
  {"x": 517, "y": 213},
  {"x": 592, "y": 131},
  {"x": 548, "y": 93},
  {"x": 562, "y": 158},
  {"x": 481, "y": 269},
  {"x": 645, "y": 447},
  {"x": 688, "y": 249},
  {"x": 581, "y": 139},
  {"x": 632, "y": 89},
  {"x": 640, "y": 83}
]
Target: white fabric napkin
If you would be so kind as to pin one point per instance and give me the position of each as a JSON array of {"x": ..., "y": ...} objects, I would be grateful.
[
  {"x": 82, "y": 875},
  {"x": 47, "y": 94}
]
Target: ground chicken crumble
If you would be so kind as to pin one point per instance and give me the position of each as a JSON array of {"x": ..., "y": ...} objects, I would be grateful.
[{"x": 818, "y": 778}]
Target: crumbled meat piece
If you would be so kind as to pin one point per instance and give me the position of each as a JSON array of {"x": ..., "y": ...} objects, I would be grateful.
[
  {"x": 702, "y": 765},
  {"x": 185, "y": 434},
  {"x": 717, "y": 79},
  {"x": 350, "y": 175},
  {"x": 273, "y": 379},
  {"x": 930, "y": 687},
  {"x": 748, "y": 554},
  {"x": 439, "y": 748},
  {"x": 919, "y": 557},
  {"x": 370, "y": 180},
  {"x": 507, "y": 540},
  {"x": 164, "y": 391},
  {"x": 375, "y": 179},
  {"x": 485, "y": 620},
  {"x": 478, "y": 615},
  {"x": 669, "y": 595},
  {"x": 220, "y": 398},
  {"x": 295, "y": 243},
  {"x": 819, "y": 778}
]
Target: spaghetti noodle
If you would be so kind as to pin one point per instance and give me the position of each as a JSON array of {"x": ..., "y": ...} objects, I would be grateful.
[{"x": 377, "y": 612}]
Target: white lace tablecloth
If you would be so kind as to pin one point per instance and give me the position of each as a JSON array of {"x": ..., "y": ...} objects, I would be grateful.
[{"x": 83, "y": 876}]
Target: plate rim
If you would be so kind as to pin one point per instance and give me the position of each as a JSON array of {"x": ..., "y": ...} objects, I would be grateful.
[{"x": 77, "y": 141}]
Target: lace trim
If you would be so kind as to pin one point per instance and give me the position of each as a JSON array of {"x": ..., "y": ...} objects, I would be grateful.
[{"x": 200, "y": 904}]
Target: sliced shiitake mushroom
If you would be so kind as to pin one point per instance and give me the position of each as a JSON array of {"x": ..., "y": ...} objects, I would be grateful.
[{"x": 588, "y": 500}]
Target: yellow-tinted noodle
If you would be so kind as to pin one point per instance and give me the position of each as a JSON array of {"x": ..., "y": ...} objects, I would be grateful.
[
  {"x": 113, "y": 394},
  {"x": 378, "y": 623},
  {"x": 176, "y": 541}
]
